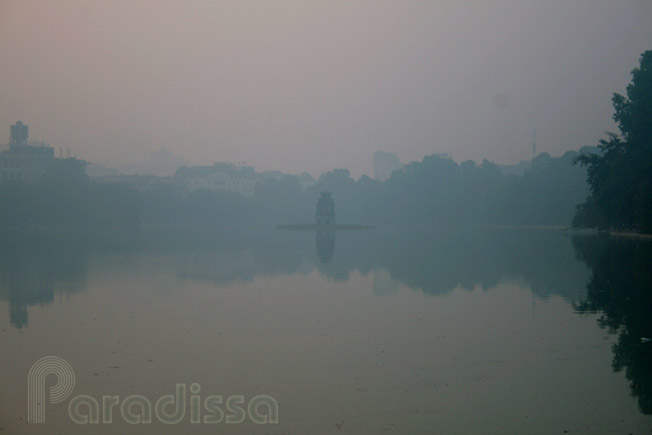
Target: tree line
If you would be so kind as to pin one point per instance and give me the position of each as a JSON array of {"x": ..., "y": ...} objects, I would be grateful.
[{"x": 436, "y": 190}]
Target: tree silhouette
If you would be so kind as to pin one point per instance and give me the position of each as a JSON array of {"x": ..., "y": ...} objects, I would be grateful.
[{"x": 620, "y": 177}]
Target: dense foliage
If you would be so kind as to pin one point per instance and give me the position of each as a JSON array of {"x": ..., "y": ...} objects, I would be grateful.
[
  {"x": 620, "y": 177},
  {"x": 434, "y": 191},
  {"x": 68, "y": 197}
]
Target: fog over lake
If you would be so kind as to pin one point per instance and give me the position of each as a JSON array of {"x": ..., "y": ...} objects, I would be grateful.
[
  {"x": 317, "y": 217},
  {"x": 405, "y": 330}
]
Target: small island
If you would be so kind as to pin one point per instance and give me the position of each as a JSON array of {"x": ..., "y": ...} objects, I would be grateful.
[{"x": 325, "y": 218}]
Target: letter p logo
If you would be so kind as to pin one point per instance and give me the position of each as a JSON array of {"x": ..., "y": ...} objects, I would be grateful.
[{"x": 36, "y": 385}]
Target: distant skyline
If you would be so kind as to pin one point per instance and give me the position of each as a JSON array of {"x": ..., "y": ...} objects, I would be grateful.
[{"x": 311, "y": 86}]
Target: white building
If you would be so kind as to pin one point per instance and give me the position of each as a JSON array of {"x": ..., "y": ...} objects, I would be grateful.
[{"x": 220, "y": 176}]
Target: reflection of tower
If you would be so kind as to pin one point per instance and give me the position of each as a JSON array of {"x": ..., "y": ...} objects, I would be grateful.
[
  {"x": 534, "y": 143},
  {"x": 325, "y": 243}
]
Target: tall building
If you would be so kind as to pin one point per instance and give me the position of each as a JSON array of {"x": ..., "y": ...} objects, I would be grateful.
[
  {"x": 18, "y": 135},
  {"x": 27, "y": 162},
  {"x": 24, "y": 162},
  {"x": 385, "y": 164}
]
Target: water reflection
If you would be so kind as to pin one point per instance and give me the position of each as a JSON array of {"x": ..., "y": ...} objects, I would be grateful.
[
  {"x": 221, "y": 285},
  {"x": 620, "y": 290},
  {"x": 436, "y": 261},
  {"x": 37, "y": 265},
  {"x": 32, "y": 275},
  {"x": 325, "y": 244}
]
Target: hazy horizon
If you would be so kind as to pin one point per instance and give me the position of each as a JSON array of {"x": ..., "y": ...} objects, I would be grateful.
[{"x": 311, "y": 86}]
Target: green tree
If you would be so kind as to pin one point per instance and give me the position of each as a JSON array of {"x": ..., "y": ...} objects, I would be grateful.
[{"x": 620, "y": 177}]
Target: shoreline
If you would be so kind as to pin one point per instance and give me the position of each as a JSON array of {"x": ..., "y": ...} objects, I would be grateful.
[
  {"x": 593, "y": 231},
  {"x": 630, "y": 235},
  {"x": 324, "y": 227}
]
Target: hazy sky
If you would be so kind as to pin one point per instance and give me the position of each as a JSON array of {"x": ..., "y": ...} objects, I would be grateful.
[{"x": 315, "y": 85}]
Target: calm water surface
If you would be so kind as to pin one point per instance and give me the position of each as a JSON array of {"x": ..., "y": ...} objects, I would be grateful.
[{"x": 395, "y": 330}]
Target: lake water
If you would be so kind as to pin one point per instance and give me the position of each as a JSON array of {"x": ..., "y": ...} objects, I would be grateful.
[{"x": 392, "y": 330}]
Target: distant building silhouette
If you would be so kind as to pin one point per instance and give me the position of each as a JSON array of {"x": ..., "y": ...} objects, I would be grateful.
[
  {"x": 19, "y": 134},
  {"x": 325, "y": 213},
  {"x": 99, "y": 170},
  {"x": 220, "y": 176},
  {"x": 385, "y": 164},
  {"x": 23, "y": 162},
  {"x": 142, "y": 183},
  {"x": 28, "y": 162},
  {"x": 162, "y": 163}
]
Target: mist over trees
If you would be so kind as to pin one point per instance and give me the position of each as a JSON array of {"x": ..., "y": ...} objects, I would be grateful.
[
  {"x": 620, "y": 176},
  {"x": 65, "y": 195},
  {"x": 436, "y": 190},
  {"x": 439, "y": 191}
]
